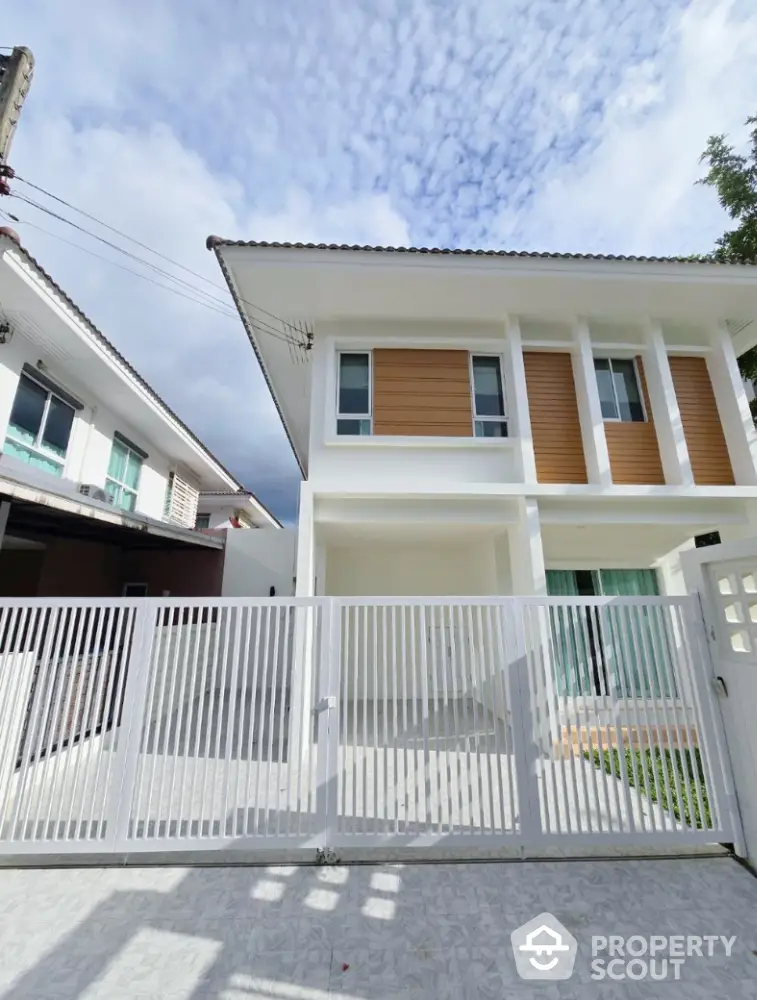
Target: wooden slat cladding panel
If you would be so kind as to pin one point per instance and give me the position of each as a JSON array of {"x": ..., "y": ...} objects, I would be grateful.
[
  {"x": 421, "y": 393},
  {"x": 633, "y": 447},
  {"x": 555, "y": 426},
  {"x": 708, "y": 452}
]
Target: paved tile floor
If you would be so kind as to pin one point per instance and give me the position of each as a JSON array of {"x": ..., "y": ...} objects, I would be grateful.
[{"x": 382, "y": 932}]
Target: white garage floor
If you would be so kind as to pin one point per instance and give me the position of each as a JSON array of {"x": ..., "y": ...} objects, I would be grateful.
[{"x": 430, "y": 931}]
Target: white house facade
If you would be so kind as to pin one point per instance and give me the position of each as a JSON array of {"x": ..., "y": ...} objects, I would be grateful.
[{"x": 493, "y": 424}]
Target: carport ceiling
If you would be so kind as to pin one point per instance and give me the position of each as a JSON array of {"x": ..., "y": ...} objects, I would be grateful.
[
  {"x": 630, "y": 544},
  {"x": 42, "y": 524},
  {"x": 404, "y": 533},
  {"x": 397, "y": 514}
]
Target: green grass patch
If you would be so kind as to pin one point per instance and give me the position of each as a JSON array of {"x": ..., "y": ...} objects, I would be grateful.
[{"x": 646, "y": 770}]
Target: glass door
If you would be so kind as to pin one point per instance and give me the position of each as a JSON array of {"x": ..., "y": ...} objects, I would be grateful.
[
  {"x": 576, "y": 638},
  {"x": 590, "y": 658},
  {"x": 635, "y": 662}
]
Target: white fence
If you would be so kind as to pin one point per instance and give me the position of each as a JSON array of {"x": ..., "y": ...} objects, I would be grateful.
[{"x": 164, "y": 724}]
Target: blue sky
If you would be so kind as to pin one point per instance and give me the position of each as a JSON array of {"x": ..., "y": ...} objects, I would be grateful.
[{"x": 572, "y": 125}]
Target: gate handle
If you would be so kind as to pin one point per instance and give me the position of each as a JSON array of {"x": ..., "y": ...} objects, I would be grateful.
[{"x": 720, "y": 686}]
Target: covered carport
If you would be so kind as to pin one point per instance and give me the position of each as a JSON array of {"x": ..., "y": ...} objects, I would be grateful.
[{"x": 54, "y": 545}]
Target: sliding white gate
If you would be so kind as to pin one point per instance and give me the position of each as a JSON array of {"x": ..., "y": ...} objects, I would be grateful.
[{"x": 164, "y": 724}]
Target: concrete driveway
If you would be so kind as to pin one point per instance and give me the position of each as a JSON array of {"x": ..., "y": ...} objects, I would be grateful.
[{"x": 378, "y": 932}]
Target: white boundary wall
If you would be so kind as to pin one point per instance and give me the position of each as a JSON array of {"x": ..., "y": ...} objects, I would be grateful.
[{"x": 258, "y": 559}]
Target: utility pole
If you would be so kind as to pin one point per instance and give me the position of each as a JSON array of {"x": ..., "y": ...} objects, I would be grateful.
[{"x": 16, "y": 72}]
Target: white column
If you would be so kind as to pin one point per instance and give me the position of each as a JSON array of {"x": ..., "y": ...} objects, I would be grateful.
[
  {"x": 518, "y": 414},
  {"x": 666, "y": 414},
  {"x": 589, "y": 408},
  {"x": 305, "y": 562},
  {"x": 733, "y": 406},
  {"x": 527, "y": 553},
  {"x": 300, "y": 716}
]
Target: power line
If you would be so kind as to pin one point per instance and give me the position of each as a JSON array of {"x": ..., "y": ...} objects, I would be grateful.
[
  {"x": 208, "y": 299},
  {"x": 24, "y": 222},
  {"x": 113, "y": 246},
  {"x": 144, "y": 246},
  {"x": 264, "y": 326},
  {"x": 229, "y": 314}
]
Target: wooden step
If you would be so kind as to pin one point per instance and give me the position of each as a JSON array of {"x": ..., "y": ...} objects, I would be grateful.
[{"x": 579, "y": 739}]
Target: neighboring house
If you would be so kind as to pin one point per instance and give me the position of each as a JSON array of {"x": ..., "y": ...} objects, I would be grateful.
[
  {"x": 100, "y": 481},
  {"x": 221, "y": 509},
  {"x": 483, "y": 423}
]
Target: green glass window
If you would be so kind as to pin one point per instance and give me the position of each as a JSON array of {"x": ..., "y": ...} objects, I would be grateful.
[
  {"x": 488, "y": 397},
  {"x": 618, "y": 386},
  {"x": 124, "y": 470},
  {"x": 39, "y": 428},
  {"x": 354, "y": 394}
]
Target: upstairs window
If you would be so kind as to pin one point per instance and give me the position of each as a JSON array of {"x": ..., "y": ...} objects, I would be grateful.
[
  {"x": 202, "y": 521},
  {"x": 489, "y": 417},
  {"x": 40, "y": 426},
  {"x": 353, "y": 413},
  {"x": 124, "y": 470},
  {"x": 619, "y": 394}
]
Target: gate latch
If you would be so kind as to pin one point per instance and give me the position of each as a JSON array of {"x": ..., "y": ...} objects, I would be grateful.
[
  {"x": 720, "y": 686},
  {"x": 325, "y": 704}
]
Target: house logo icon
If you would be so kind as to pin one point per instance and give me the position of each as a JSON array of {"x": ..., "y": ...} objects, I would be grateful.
[{"x": 544, "y": 949}]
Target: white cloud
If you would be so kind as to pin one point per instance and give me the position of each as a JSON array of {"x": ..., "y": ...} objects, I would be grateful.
[
  {"x": 368, "y": 219},
  {"x": 528, "y": 124},
  {"x": 633, "y": 191}
]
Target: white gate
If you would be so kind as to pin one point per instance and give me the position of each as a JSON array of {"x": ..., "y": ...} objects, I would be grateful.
[
  {"x": 163, "y": 725},
  {"x": 151, "y": 725}
]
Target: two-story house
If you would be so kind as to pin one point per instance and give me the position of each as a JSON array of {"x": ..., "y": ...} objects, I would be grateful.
[
  {"x": 504, "y": 457},
  {"x": 483, "y": 423},
  {"x": 101, "y": 484}
]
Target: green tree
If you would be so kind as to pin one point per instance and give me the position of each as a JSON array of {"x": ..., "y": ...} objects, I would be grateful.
[{"x": 734, "y": 177}]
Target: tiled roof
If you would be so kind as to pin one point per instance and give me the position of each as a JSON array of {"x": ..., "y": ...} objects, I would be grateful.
[
  {"x": 217, "y": 241},
  {"x": 103, "y": 340}
]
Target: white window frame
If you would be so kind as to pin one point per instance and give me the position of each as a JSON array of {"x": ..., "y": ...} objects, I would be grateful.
[
  {"x": 354, "y": 416},
  {"x": 38, "y": 446},
  {"x": 504, "y": 419},
  {"x": 124, "y": 487},
  {"x": 634, "y": 362}
]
